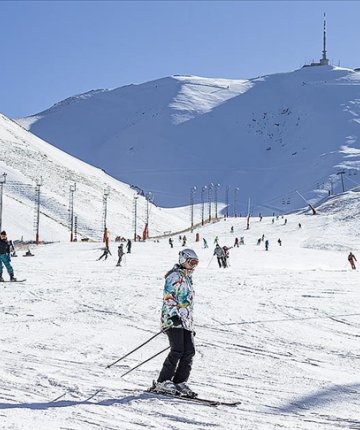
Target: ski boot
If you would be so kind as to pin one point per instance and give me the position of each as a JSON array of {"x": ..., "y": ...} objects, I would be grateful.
[
  {"x": 167, "y": 387},
  {"x": 185, "y": 390}
]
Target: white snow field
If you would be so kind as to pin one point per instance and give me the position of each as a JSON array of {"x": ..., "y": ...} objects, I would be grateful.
[{"x": 278, "y": 331}]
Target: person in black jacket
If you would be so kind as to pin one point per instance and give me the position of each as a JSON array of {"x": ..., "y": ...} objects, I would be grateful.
[{"x": 5, "y": 249}]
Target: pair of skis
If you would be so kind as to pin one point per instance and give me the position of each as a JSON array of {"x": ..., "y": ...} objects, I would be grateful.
[{"x": 162, "y": 394}]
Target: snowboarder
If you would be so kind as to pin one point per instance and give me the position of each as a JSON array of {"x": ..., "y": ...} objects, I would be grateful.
[
  {"x": 128, "y": 246},
  {"x": 171, "y": 242},
  {"x": 5, "y": 250},
  {"x": 236, "y": 243},
  {"x": 105, "y": 253},
  {"x": 177, "y": 322},
  {"x": 205, "y": 243},
  {"x": 28, "y": 253},
  {"x": 351, "y": 258},
  {"x": 184, "y": 240},
  {"x": 266, "y": 245},
  {"x": 120, "y": 254},
  {"x": 279, "y": 242},
  {"x": 220, "y": 254}
]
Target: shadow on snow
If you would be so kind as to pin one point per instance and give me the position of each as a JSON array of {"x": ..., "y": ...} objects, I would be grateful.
[
  {"x": 332, "y": 394},
  {"x": 72, "y": 403}
]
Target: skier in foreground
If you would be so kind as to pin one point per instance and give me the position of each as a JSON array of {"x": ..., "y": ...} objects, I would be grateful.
[
  {"x": 5, "y": 249},
  {"x": 177, "y": 322}
]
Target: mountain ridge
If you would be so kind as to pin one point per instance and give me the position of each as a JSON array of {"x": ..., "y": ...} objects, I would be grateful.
[{"x": 236, "y": 133}]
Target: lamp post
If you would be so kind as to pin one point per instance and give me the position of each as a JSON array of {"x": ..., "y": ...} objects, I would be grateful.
[
  {"x": 39, "y": 183},
  {"x": 135, "y": 217},
  {"x": 341, "y": 173},
  {"x": 227, "y": 200},
  {"x": 203, "y": 190},
  {"x": 216, "y": 186},
  {"x": 210, "y": 187},
  {"x": 2, "y": 182},
  {"x": 146, "y": 231},
  {"x": 236, "y": 190},
  {"x": 71, "y": 210},
  {"x": 192, "y": 194},
  {"x": 105, "y": 201}
]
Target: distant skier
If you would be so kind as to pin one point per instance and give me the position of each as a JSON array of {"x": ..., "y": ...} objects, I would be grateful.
[
  {"x": 28, "y": 253},
  {"x": 12, "y": 249},
  {"x": 266, "y": 245},
  {"x": 285, "y": 221},
  {"x": 242, "y": 240},
  {"x": 171, "y": 242},
  {"x": 5, "y": 249},
  {"x": 236, "y": 243},
  {"x": 299, "y": 225},
  {"x": 279, "y": 242},
  {"x": 184, "y": 240},
  {"x": 216, "y": 240},
  {"x": 128, "y": 246},
  {"x": 177, "y": 322},
  {"x": 351, "y": 258},
  {"x": 220, "y": 255},
  {"x": 232, "y": 229},
  {"x": 105, "y": 253},
  {"x": 262, "y": 238},
  {"x": 258, "y": 241},
  {"x": 120, "y": 254},
  {"x": 205, "y": 243},
  {"x": 227, "y": 255}
]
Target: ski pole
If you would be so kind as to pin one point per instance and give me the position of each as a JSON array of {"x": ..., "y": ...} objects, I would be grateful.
[
  {"x": 210, "y": 261},
  {"x": 163, "y": 350},
  {"x": 135, "y": 349}
]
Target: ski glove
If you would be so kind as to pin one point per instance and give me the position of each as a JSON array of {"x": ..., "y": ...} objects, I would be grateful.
[{"x": 176, "y": 321}]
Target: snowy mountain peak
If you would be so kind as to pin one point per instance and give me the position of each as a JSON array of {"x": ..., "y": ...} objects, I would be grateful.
[{"x": 271, "y": 136}]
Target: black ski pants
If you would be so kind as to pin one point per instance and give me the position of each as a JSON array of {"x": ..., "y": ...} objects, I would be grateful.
[{"x": 177, "y": 366}]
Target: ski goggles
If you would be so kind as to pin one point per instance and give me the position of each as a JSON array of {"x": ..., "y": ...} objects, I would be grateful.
[{"x": 192, "y": 262}]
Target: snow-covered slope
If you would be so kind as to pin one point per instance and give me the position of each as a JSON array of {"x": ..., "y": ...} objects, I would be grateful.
[
  {"x": 26, "y": 158},
  {"x": 278, "y": 330},
  {"x": 270, "y": 136}
]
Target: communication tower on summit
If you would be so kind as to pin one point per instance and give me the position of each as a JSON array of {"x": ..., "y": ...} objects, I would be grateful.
[{"x": 324, "y": 61}]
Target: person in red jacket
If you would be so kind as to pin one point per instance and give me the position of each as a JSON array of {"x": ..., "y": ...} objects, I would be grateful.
[{"x": 351, "y": 259}]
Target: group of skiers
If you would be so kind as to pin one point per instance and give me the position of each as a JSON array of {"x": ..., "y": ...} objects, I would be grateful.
[{"x": 121, "y": 252}]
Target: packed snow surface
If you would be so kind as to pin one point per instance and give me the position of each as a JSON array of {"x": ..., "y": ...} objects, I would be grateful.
[{"x": 278, "y": 330}]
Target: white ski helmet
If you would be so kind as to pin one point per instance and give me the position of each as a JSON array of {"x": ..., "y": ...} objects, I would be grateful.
[{"x": 188, "y": 255}]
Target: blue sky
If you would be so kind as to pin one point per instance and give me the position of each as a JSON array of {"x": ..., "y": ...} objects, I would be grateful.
[{"x": 52, "y": 50}]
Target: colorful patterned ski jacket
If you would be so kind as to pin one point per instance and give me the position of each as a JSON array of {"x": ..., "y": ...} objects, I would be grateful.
[{"x": 178, "y": 299}]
